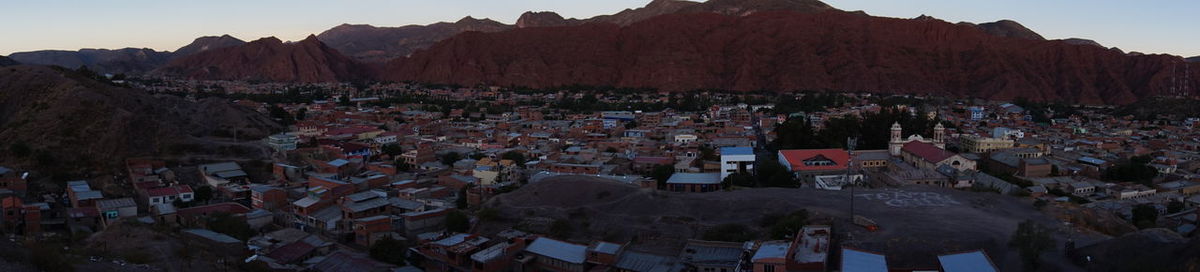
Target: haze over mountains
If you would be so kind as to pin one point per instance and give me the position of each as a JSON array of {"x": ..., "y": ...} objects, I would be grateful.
[{"x": 681, "y": 45}]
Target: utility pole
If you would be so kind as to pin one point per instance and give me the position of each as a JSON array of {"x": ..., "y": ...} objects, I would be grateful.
[{"x": 851, "y": 142}]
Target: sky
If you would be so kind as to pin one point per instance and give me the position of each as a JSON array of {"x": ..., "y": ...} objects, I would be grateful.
[{"x": 1157, "y": 26}]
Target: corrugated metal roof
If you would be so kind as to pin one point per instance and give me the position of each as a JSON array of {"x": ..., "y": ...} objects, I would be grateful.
[
  {"x": 560, "y": 250},
  {"x": 861, "y": 261},
  {"x": 974, "y": 261}
]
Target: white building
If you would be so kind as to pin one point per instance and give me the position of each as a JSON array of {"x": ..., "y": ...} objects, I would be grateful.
[
  {"x": 736, "y": 159},
  {"x": 283, "y": 141},
  {"x": 685, "y": 138}
]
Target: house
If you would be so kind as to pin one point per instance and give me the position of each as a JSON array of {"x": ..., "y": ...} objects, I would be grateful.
[
  {"x": 217, "y": 174},
  {"x": 602, "y": 253},
  {"x": 450, "y": 253},
  {"x": 553, "y": 255},
  {"x": 771, "y": 256},
  {"x": 165, "y": 195},
  {"x": 11, "y": 180},
  {"x": 810, "y": 249},
  {"x": 736, "y": 160},
  {"x": 809, "y": 163},
  {"x": 854, "y": 260},
  {"x": 112, "y": 209},
  {"x": 216, "y": 243},
  {"x": 342, "y": 260},
  {"x": 632, "y": 261},
  {"x": 970, "y": 261},
  {"x": 369, "y": 230},
  {"x": 712, "y": 255},
  {"x": 694, "y": 182},
  {"x": 267, "y": 197},
  {"x": 81, "y": 195}
]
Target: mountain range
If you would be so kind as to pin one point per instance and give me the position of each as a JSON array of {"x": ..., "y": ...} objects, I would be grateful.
[
  {"x": 126, "y": 60},
  {"x": 684, "y": 45},
  {"x": 269, "y": 59}
]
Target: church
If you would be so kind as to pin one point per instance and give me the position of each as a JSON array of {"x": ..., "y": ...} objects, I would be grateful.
[{"x": 926, "y": 153}]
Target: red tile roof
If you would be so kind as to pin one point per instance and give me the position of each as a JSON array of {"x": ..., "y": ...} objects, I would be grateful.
[
  {"x": 796, "y": 158},
  {"x": 927, "y": 151}
]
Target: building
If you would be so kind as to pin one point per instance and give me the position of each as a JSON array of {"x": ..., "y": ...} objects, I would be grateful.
[
  {"x": 980, "y": 144},
  {"x": 547, "y": 254},
  {"x": 970, "y": 261},
  {"x": 167, "y": 195},
  {"x": 897, "y": 141},
  {"x": 111, "y": 209},
  {"x": 217, "y": 174},
  {"x": 283, "y": 142},
  {"x": 267, "y": 197},
  {"x": 806, "y": 164},
  {"x": 810, "y": 249},
  {"x": 736, "y": 160},
  {"x": 700, "y": 255},
  {"x": 854, "y": 260},
  {"x": 694, "y": 182},
  {"x": 771, "y": 256},
  {"x": 9, "y": 179},
  {"x": 82, "y": 195},
  {"x": 929, "y": 156}
]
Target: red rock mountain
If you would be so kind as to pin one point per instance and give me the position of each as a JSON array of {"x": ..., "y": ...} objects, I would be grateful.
[
  {"x": 378, "y": 44},
  {"x": 831, "y": 50},
  {"x": 269, "y": 59},
  {"x": 206, "y": 43}
]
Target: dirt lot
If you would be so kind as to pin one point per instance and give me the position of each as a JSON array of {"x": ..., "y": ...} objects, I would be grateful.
[{"x": 918, "y": 223}]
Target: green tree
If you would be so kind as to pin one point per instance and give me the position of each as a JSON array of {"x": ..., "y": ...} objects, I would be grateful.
[
  {"x": 203, "y": 194},
  {"x": 20, "y": 149},
  {"x": 1145, "y": 216},
  {"x": 389, "y": 250},
  {"x": 1031, "y": 240},
  {"x": 301, "y": 113},
  {"x": 230, "y": 225},
  {"x": 281, "y": 115},
  {"x": 1174, "y": 206},
  {"x": 730, "y": 233},
  {"x": 789, "y": 225},
  {"x": 457, "y": 221},
  {"x": 516, "y": 157},
  {"x": 461, "y": 201},
  {"x": 392, "y": 150},
  {"x": 451, "y": 158},
  {"x": 661, "y": 173},
  {"x": 561, "y": 229}
]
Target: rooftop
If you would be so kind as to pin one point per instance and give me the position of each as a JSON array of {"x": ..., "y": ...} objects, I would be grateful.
[{"x": 560, "y": 250}]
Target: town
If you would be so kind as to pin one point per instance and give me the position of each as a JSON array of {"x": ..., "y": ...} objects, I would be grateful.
[{"x": 410, "y": 177}]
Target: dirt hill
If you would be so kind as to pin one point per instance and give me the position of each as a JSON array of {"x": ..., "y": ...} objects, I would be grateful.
[
  {"x": 269, "y": 59},
  {"x": 59, "y": 120}
]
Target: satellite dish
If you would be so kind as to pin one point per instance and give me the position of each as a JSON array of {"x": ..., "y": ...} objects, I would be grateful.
[{"x": 24, "y": 175}]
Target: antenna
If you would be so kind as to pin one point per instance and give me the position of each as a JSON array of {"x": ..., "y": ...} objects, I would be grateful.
[{"x": 851, "y": 143}]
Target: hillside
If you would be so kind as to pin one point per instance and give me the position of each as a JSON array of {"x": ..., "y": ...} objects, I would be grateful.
[
  {"x": 127, "y": 60},
  {"x": 5, "y": 61},
  {"x": 831, "y": 50},
  {"x": 378, "y": 44},
  {"x": 206, "y": 43},
  {"x": 269, "y": 59},
  {"x": 58, "y": 120}
]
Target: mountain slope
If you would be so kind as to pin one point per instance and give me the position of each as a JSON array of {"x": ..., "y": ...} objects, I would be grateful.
[
  {"x": 378, "y": 44},
  {"x": 65, "y": 120},
  {"x": 1009, "y": 28},
  {"x": 830, "y": 50},
  {"x": 5, "y": 61},
  {"x": 127, "y": 60},
  {"x": 269, "y": 59},
  {"x": 206, "y": 43}
]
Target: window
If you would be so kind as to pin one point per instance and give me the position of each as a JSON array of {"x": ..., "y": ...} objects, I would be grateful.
[{"x": 768, "y": 268}]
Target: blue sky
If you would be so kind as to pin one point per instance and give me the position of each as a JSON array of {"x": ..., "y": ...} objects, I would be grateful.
[{"x": 1166, "y": 26}]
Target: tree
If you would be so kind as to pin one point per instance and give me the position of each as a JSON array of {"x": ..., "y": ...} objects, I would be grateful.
[
  {"x": 389, "y": 250},
  {"x": 461, "y": 201},
  {"x": 451, "y": 158},
  {"x": 203, "y": 194},
  {"x": 738, "y": 179},
  {"x": 662, "y": 173},
  {"x": 631, "y": 124},
  {"x": 48, "y": 258},
  {"x": 282, "y": 115},
  {"x": 20, "y": 149},
  {"x": 1145, "y": 216},
  {"x": 392, "y": 150},
  {"x": 457, "y": 221},
  {"x": 730, "y": 233},
  {"x": 516, "y": 157},
  {"x": 301, "y": 113},
  {"x": 1174, "y": 206},
  {"x": 1031, "y": 240},
  {"x": 230, "y": 225},
  {"x": 787, "y": 226},
  {"x": 1136, "y": 170},
  {"x": 561, "y": 229}
]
